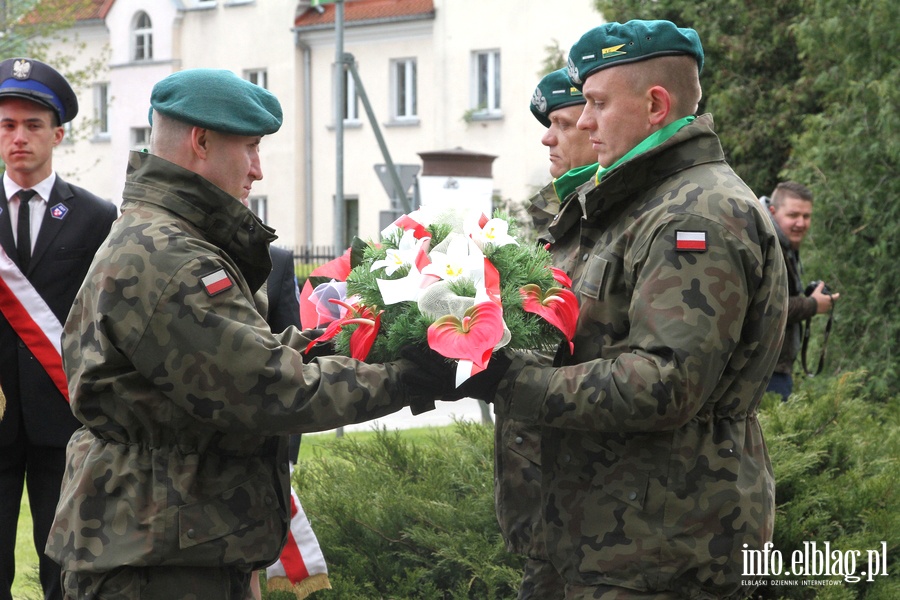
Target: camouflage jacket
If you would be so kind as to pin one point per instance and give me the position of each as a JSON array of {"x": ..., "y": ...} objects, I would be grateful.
[
  {"x": 654, "y": 468},
  {"x": 184, "y": 393},
  {"x": 517, "y": 461}
]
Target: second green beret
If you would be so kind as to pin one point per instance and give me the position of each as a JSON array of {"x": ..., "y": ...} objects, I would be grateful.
[
  {"x": 217, "y": 99},
  {"x": 553, "y": 92},
  {"x": 614, "y": 44}
]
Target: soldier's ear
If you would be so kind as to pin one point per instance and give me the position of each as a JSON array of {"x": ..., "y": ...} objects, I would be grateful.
[
  {"x": 659, "y": 104},
  {"x": 199, "y": 141}
]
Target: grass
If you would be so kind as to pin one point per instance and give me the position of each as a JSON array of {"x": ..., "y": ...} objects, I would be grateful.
[{"x": 27, "y": 586}]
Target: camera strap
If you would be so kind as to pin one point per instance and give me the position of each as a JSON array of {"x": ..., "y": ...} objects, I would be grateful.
[{"x": 806, "y": 331}]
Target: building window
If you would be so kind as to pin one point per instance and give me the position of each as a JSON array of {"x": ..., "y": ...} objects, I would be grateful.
[
  {"x": 350, "y": 103},
  {"x": 486, "y": 82},
  {"x": 351, "y": 218},
  {"x": 258, "y": 77},
  {"x": 259, "y": 206},
  {"x": 143, "y": 37},
  {"x": 69, "y": 131},
  {"x": 101, "y": 110},
  {"x": 140, "y": 138},
  {"x": 403, "y": 87}
]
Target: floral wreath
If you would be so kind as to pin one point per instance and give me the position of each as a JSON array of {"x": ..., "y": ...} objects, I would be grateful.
[{"x": 463, "y": 284}]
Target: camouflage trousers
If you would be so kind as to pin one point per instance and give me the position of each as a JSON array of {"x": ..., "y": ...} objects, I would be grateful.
[
  {"x": 541, "y": 581},
  {"x": 158, "y": 583}
]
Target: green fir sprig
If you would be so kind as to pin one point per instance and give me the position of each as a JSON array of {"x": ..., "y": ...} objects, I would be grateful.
[{"x": 403, "y": 324}]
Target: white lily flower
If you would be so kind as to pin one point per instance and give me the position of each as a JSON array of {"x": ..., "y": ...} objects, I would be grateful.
[
  {"x": 404, "y": 255},
  {"x": 461, "y": 259},
  {"x": 494, "y": 232}
]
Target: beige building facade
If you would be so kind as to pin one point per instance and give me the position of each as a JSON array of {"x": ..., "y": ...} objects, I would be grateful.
[{"x": 439, "y": 75}]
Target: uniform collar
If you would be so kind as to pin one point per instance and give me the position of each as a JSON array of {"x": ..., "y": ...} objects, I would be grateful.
[
  {"x": 43, "y": 189},
  {"x": 223, "y": 220},
  {"x": 692, "y": 144}
]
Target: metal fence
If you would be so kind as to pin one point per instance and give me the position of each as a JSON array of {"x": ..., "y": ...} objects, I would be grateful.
[{"x": 308, "y": 258}]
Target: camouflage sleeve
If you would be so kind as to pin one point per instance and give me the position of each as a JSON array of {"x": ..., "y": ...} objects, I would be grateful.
[
  {"x": 685, "y": 317},
  {"x": 215, "y": 357}
]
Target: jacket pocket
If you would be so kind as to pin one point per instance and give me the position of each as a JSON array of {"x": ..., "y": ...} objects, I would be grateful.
[
  {"x": 523, "y": 440},
  {"x": 593, "y": 280},
  {"x": 618, "y": 477},
  {"x": 228, "y": 512}
]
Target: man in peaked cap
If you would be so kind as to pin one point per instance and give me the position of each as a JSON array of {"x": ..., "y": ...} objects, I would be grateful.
[
  {"x": 655, "y": 476},
  {"x": 49, "y": 232},
  {"x": 177, "y": 484}
]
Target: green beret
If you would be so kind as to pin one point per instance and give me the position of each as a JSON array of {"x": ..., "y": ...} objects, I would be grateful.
[
  {"x": 218, "y": 100},
  {"x": 553, "y": 92},
  {"x": 614, "y": 44}
]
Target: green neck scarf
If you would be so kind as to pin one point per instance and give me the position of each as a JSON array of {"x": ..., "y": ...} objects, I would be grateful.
[
  {"x": 566, "y": 183},
  {"x": 651, "y": 141}
]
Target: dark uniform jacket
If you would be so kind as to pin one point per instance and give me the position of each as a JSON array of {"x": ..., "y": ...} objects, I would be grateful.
[
  {"x": 654, "y": 469},
  {"x": 62, "y": 254},
  {"x": 185, "y": 395},
  {"x": 800, "y": 306}
]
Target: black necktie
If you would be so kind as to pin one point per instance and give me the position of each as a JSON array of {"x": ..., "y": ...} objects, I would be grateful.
[{"x": 23, "y": 229}]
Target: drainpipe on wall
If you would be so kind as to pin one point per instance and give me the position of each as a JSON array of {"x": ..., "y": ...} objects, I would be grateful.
[{"x": 307, "y": 139}]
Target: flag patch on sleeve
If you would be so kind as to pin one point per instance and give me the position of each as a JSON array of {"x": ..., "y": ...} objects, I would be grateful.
[
  {"x": 690, "y": 241},
  {"x": 216, "y": 282}
]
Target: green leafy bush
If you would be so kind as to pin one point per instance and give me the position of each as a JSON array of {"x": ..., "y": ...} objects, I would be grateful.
[
  {"x": 836, "y": 457},
  {"x": 399, "y": 520},
  {"x": 414, "y": 519}
]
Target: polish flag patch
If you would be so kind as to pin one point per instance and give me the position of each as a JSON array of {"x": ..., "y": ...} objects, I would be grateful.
[
  {"x": 216, "y": 282},
  {"x": 690, "y": 241}
]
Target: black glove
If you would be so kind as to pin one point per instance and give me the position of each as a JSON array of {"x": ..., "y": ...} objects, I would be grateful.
[
  {"x": 483, "y": 385},
  {"x": 320, "y": 349},
  {"x": 430, "y": 377}
]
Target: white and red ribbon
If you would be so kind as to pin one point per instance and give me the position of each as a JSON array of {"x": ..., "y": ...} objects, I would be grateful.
[
  {"x": 301, "y": 568},
  {"x": 32, "y": 320}
]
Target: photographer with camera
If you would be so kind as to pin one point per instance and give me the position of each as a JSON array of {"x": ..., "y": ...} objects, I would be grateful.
[{"x": 791, "y": 210}]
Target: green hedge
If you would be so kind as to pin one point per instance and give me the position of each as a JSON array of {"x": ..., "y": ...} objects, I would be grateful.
[
  {"x": 397, "y": 519},
  {"x": 401, "y": 519}
]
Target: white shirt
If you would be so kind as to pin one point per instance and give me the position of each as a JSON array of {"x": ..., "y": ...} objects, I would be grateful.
[{"x": 37, "y": 204}]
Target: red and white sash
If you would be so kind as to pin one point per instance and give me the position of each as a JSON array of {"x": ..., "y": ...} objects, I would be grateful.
[
  {"x": 301, "y": 567},
  {"x": 32, "y": 320}
]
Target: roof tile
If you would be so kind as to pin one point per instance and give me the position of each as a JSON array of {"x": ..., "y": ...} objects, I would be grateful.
[{"x": 366, "y": 10}]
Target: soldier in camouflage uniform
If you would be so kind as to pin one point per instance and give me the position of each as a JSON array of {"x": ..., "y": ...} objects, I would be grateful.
[
  {"x": 177, "y": 484},
  {"x": 654, "y": 470},
  {"x": 556, "y": 105}
]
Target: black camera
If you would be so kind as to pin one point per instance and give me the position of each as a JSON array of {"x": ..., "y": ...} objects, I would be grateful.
[{"x": 812, "y": 287}]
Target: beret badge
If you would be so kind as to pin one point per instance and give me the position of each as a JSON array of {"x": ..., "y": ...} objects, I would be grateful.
[
  {"x": 539, "y": 101},
  {"x": 573, "y": 72}
]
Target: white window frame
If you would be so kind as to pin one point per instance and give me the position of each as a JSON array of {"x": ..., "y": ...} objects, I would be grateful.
[
  {"x": 142, "y": 37},
  {"x": 259, "y": 77},
  {"x": 404, "y": 89},
  {"x": 101, "y": 110},
  {"x": 140, "y": 138},
  {"x": 486, "y": 89},
  {"x": 259, "y": 205},
  {"x": 350, "y": 105}
]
